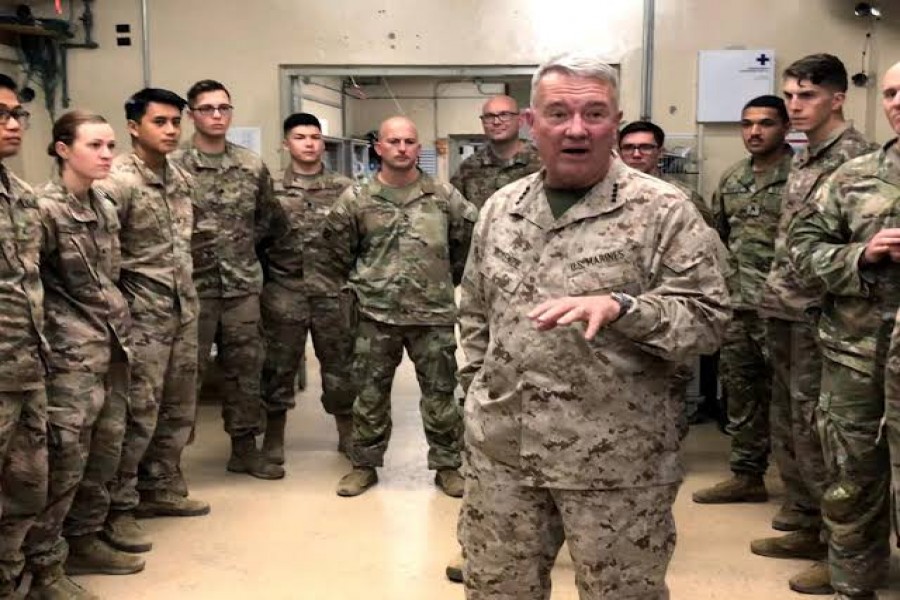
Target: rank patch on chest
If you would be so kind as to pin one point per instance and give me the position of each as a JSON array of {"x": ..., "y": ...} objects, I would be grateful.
[{"x": 507, "y": 257}]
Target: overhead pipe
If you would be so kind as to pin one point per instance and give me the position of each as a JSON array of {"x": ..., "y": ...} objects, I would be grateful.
[
  {"x": 647, "y": 60},
  {"x": 145, "y": 42}
]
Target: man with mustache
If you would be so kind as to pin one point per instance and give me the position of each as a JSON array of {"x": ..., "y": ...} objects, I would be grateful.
[{"x": 747, "y": 205}]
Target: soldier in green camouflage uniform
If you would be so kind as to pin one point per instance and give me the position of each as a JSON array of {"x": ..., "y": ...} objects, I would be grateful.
[
  {"x": 848, "y": 241},
  {"x": 570, "y": 427},
  {"x": 298, "y": 297},
  {"x": 504, "y": 159},
  {"x": 23, "y": 352},
  {"x": 641, "y": 146},
  {"x": 153, "y": 198},
  {"x": 401, "y": 241},
  {"x": 87, "y": 328},
  {"x": 747, "y": 203},
  {"x": 814, "y": 88},
  {"x": 232, "y": 213}
]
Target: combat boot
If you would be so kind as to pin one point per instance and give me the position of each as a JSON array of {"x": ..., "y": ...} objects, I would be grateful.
[
  {"x": 797, "y": 544},
  {"x": 245, "y": 458},
  {"x": 454, "y": 570},
  {"x": 273, "y": 442},
  {"x": 789, "y": 518},
  {"x": 53, "y": 584},
  {"x": 122, "y": 532},
  {"x": 357, "y": 481},
  {"x": 450, "y": 482},
  {"x": 166, "y": 503},
  {"x": 742, "y": 487},
  {"x": 344, "y": 425},
  {"x": 88, "y": 555},
  {"x": 815, "y": 579}
]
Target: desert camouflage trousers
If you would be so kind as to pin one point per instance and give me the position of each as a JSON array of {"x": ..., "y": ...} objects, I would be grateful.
[{"x": 620, "y": 540}]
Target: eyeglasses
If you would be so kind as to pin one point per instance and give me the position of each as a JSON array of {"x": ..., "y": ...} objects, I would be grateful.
[
  {"x": 208, "y": 110},
  {"x": 500, "y": 117},
  {"x": 642, "y": 148},
  {"x": 19, "y": 114}
]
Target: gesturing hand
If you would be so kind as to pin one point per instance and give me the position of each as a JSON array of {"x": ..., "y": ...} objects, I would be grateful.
[{"x": 596, "y": 311}]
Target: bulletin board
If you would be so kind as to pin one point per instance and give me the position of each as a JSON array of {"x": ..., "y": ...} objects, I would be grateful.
[{"x": 727, "y": 79}]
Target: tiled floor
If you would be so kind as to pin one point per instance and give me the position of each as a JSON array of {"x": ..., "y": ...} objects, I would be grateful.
[{"x": 295, "y": 539}]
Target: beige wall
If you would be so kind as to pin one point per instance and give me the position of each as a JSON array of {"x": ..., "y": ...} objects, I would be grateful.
[{"x": 244, "y": 43}]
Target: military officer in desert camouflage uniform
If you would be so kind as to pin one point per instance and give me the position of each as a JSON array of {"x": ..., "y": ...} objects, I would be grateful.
[
  {"x": 232, "y": 212},
  {"x": 504, "y": 159},
  {"x": 23, "y": 352},
  {"x": 299, "y": 296},
  {"x": 571, "y": 430},
  {"x": 401, "y": 241}
]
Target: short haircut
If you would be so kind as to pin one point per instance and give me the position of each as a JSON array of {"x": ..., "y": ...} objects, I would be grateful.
[
  {"x": 769, "y": 101},
  {"x": 825, "y": 70},
  {"x": 578, "y": 65},
  {"x": 136, "y": 105},
  {"x": 298, "y": 119},
  {"x": 203, "y": 86},
  {"x": 8, "y": 83},
  {"x": 642, "y": 127}
]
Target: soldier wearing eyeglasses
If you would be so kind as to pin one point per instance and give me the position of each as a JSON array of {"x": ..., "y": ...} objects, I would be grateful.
[
  {"x": 233, "y": 208},
  {"x": 641, "y": 146},
  {"x": 504, "y": 159},
  {"x": 23, "y": 351}
]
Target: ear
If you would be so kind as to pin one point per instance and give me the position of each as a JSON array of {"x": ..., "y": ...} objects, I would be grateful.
[
  {"x": 837, "y": 101},
  {"x": 133, "y": 128},
  {"x": 378, "y": 148},
  {"x": 528, "y": 117},
  {"x": 190, "y": 114},
  {"x": 63, "y": 151}
]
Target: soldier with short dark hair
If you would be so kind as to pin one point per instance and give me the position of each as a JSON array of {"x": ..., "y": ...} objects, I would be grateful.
[
  {"x": 23, "y": 352},
  {"x": 504, "y": 159},
  {"x": 815, "y": 89},
  {"x": 153, "y": 198},
  {"x": 747, "y": 207},
  {"x": 847, "y": 241},
  {"x": 299, "y": 295},
  {"x": 233, "y": 207}
]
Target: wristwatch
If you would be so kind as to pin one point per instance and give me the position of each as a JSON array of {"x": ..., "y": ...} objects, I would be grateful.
[{"x": 625, "y": 301}]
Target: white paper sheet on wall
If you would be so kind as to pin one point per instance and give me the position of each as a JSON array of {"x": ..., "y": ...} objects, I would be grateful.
[
  {"x": 727, "y": 79},
  {"x": 248, "y": 137}
]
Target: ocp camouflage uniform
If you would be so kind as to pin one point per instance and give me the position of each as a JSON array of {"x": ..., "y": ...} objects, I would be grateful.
[
  {"x": 23, "y": 354},
  {"x": 791, "y": 306},
  {"x": 748, "y": 207},
  {"x": 233, "y": 208},
  {"x": 87, "y": 328},
  {"x": 892, "y": 419},
  {"x": 483, "y": 173},
  {"x": 573, "y": 438},
  {"x": 858, "y": 313},
  {"x": 402, "y": 258},
  {"x": 300, "y": 297},
  {"x": 156, "y": 220}
]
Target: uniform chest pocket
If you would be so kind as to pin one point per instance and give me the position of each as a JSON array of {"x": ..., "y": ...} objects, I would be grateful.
[{"x": 593, "y": 281}]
